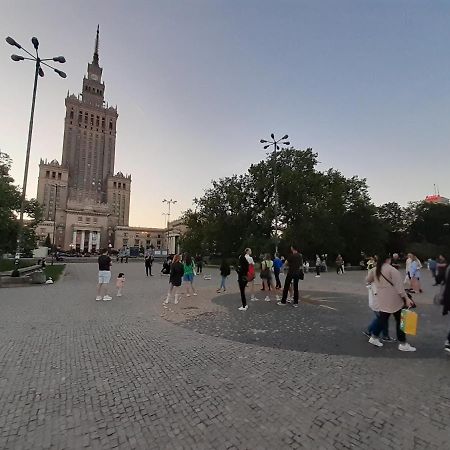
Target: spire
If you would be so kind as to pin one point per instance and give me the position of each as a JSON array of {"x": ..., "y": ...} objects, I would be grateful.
[{"x": 95, "y": 58}]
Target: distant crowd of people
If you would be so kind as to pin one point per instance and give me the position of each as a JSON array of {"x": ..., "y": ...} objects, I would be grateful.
[{"x": 389, "y": 293}]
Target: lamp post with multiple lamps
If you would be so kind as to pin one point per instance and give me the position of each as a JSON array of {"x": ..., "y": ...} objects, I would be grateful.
[
  {"x": 56, "y": 186},
  {"x": 39, "y": 62},
  {"x": 275, "y": 144},
  {"x": 169, "y": 202}
]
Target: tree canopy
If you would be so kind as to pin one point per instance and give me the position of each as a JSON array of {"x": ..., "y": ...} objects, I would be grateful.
[{"x": 10, "y": 200}]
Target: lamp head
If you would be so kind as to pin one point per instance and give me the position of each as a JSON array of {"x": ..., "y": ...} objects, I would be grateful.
[
  {"x": 60, "y": 73},
  {"x": 41, "y": 72},
  {"x": 285, "y": 136},
  {"x": 272, "y": 136},
  {"x": 17, "y": 58},
  {"x": 263, "y": 141},
  {"x": 35, "y": 42},
  {"x": 11, "y": 41},
  {"x": 61, "y": 59}
]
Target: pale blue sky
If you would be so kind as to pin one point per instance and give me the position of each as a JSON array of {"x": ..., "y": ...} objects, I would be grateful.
[{"x": 198, "y": 83}]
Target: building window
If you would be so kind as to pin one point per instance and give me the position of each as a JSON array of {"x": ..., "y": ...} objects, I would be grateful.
[
  {"x": 88, "y": 220},
  {"x": 125, "y": 241},
  {"x": 158, "y": 243},
  {"x": 94, "y": 220},
  {"x": 148, "y": 242},
  {"x": 110, "y": 125},
  {"x": 125, "y": 234},
  {"x": 80, "y": 219},
  {"x": 53, "y": 174},
  {"x": 71, "y": 114},
  {"x": 114, "y": 184},
  {"x": 47, "y": 174},
  {"x": 119, "y": 185},
  {"x": 59, "y": 175}
]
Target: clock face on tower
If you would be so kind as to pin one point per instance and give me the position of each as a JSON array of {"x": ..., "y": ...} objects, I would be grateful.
[{"x": 94, "y": 77}]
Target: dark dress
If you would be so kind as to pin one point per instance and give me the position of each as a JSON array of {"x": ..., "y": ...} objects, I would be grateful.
[{"x": 176, "y": 274}]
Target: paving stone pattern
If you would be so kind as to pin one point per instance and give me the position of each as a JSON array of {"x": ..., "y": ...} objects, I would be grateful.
[{"x": 76, "y": 373}]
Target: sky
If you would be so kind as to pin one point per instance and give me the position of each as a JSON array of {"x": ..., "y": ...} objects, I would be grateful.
[{"x": 198, "y": 83}]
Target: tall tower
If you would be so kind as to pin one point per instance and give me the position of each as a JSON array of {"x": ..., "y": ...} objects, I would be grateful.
[{"x": 89, "y": 138}]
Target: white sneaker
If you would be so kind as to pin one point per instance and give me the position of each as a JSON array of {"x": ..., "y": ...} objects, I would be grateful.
[
  {"x": 375, "y": 341},
  {"x": 195, "y": 293},
  {"x": 289, "y": 299},
  {"x": 188, "y": 295},
  {"x": 405, "y": 347},
  {"x": 107, "y": 298},
  {"x": 176, "y": 300},
  {"x": 119, "y": 295},
  {"x": 99, "y": 297},
  {"x": 166, "y": 300},
  {"x": 278, "y": 298},
  {"x": 243, "y": 308},
  {"x": 267, "y": 299},
  {"x": 254, "y": 299},
  {"x": 317, "y": 276}
]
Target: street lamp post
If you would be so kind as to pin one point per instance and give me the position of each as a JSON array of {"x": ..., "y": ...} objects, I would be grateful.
[
  {"x": 274, "y": 143},
  {"x": 169, "y": 202},
  {"x": 39, "y": 62},
  {"x": 56, "y": 186}
]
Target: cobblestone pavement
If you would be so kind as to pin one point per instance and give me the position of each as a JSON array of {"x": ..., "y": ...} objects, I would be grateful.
[{"x": 76, "y": 373}]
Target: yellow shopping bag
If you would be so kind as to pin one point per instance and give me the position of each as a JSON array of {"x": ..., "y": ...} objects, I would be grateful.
[{"x": 408, "y": 322}]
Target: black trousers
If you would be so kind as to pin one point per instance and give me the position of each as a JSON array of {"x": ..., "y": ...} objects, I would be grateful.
[
  {"x": 318, "y": 269},
  {"x": 383, "y": 320},
  {"x": 277, "y": 278},
  {"x": 339, "y": 269},
  {"x": 291, "y": 278},
  {"x": 242, "y": 285},
  {"x": 148, "y": 269},
  {"x": 199, "y": 268}
]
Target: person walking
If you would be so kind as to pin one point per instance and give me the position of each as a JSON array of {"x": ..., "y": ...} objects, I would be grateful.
[
  {"x": 295, "y": 264},
  {"x": 266, "y": 274},
  {"x": 339, "y": 265},
  {"x": 224, "y": 273},
  {"x": 148, "y": 261},
  {"x": 242, "y": 271},
  {"x": 199, "y": 263},
  {"x": 391, "y": 298},
  {"x": 277, "y": 266},
  {"x": 104, "y": 276},
  {"x": 441, "y": 267},
  {"x": 318, "y": 264},
  {"x": 189, "y": 270},
  {"x": 176, "y": 275}
]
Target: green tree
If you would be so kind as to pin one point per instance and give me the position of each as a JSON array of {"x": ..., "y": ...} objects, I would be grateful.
[{"x": 10, "y": 200}]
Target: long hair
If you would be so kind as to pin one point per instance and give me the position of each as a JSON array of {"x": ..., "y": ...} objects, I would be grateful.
[
  {"x": 380, "y": 261},
  {"x": 176, "y": 258},
  {"x": 188, "y": 259}
]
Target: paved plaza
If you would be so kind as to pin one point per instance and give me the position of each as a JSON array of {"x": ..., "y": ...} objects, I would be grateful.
[{"x": 76, "y": 373}]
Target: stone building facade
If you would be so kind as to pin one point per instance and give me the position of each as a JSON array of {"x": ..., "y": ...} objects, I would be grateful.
[{"x": 83, "y": 199}]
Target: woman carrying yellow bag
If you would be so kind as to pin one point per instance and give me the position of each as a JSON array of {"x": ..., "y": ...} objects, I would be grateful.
[{"x": 391, "y": 297}]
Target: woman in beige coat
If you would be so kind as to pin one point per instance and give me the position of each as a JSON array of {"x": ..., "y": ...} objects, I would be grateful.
[{"x": 391, "y": 297}]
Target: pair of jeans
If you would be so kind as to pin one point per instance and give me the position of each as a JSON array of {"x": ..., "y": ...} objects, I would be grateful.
[
  {"x": 340, "y": 269},
  {"x": 148, "y": 269},
  {"x": 276, "y": 272},
  {"x": 222, "y": 283},
  {"x": 371, "y": 328},
  {"x": 242, "y": 285},
  {"x": 383, "y": 321},
  {"x": 291, "y": 277}
]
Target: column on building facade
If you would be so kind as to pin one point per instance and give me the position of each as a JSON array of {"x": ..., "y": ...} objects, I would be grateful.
[
  {"x": 90, "y": 241},
  {"x": 74, "y": 238},
  {"x": 82, "y": 241},
  {"x": 98, "y": 240}
]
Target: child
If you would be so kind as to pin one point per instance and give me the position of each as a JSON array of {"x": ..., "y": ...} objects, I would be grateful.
[
  {"x": 104, "y": 276},
  {"x": 120, "y": 283}
]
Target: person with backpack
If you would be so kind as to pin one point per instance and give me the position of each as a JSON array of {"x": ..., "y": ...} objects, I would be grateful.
[
  {"x": 295, "y": 273},
  {"x": 224, "y": 273},
  {"x": 251, "y": 273}
]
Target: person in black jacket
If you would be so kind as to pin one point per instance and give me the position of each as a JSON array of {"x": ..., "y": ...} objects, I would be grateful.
[
  {"x": 224, "y": 272},
  {"x": 176, "y": 275},
  {"x": 446, "y": 303},
  {"x": 242, "y": 271},
  {"x": 295, "y": 273}
]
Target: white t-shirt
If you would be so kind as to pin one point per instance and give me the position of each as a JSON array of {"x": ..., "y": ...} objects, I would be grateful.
[{"x": 249, "y": 259}]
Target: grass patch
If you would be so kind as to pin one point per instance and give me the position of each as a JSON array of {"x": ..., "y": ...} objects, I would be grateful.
[
  {"x": 54, "y": 271},
  {"x": 8, "y": 264}
]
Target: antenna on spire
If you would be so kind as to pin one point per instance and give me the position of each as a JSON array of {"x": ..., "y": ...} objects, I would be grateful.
[{"x": 95, "y": 59}]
